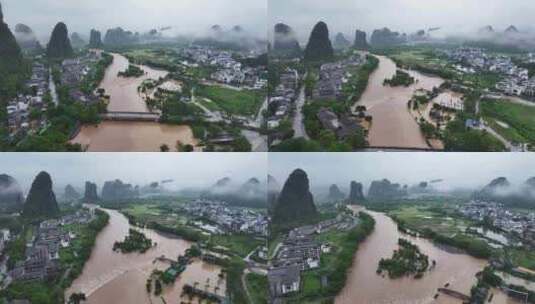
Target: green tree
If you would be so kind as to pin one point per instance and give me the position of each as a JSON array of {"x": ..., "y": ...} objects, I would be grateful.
[
  {"x": 164, "y": 148},
  {"x": 77, "y": 298},
  {"x": 327, "y": 138},
  {"x": 241, "y": 144},
  {"x": 157, "y": 287}
]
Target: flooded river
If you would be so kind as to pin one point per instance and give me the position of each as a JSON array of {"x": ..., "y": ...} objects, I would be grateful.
[
  {"x": 126, "y": 136},
  {"x": 113, "y": 277},
  {"x": 133, "y": 136},
  {"x": 124, "y": 96},
  {"x": 365, "y": 286},
  {"x": 393, "y": 125}
]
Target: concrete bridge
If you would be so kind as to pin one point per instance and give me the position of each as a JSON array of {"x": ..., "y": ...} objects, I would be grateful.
[
  {"x": 455, "y": 294},
  {"x": 398, "y": 149},
  {"x": 130, "y": 116}
]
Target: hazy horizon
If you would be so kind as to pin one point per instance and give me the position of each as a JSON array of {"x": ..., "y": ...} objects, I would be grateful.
[
  {"x": 457, "y": 170},
  {"x": 409, "y": 16},
  {"x": 184, "y": 16},
  {"x": 186, "y": 169}
]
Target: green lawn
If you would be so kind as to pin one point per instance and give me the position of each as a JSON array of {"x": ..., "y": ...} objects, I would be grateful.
[
  {"x": 272, "y": 245},
  {"x": 523, "y": 258},
  {"x": 258, "y": 288},
  {"x": 419, "y": 217},
  {"x": 151, "y": 212},
  {"x": 311, "y": 283},
  {"x": 420, "y": 57},
  {"x": 210, "y": 105},
  {"x": 241, "y": 245},
  {"x": 520, "y": 118},
  {"x": 509, "y": 133},
  {"x": 138, "y": 210},
  {"x": 244, "y": 102},
  {"x": 158, "y": 56},
  {"x": 480, "y": 81}
]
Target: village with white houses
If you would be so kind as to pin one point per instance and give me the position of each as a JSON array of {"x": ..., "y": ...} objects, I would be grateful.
[
  {"x": 26, "y": 113},
  {"x": 519, "y": 227},
  {"x": 228, "y": 70},
  {"x": 281, "y": 101},
  {"x": 227, "y": 219},
  {"x": 515, "y": 80},
  {"x": 300, "y": 252},
  {"x": 333, "y": 76},
  {"x": 42, "y": 253}
]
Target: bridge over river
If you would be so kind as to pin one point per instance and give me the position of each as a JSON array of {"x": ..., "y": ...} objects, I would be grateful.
[{"x": 130, "y": 116}]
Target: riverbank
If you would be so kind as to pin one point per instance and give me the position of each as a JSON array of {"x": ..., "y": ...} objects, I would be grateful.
[
  {"x": 123, "y": 92},
  {"x": 229, "y": 251},
  {"x": 114, "y": 275},
  {"x": 132, "y": 136},
  {"x": 326, "y": 281},
  {"x": 72, "y": 260},
  {"x": 393, "y": 125},
  {"x": 120, "y": 136},
  {"x": 364, "y": 284}
]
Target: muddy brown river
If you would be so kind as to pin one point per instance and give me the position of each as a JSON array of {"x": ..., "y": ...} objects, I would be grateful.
[
  {"x": 365, "y": 286},
  {"x": 130, "y": 136},
  {"x": 393, "y": 125},
  {"x": 133, "y": 136},
  {"x": 117, "y": 278},
  {"x": 124, "y": 96}
]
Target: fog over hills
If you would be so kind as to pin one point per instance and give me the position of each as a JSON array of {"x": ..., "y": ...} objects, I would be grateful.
[
  {"x": 447, "y": 17},
  {"x": 171, "y": 17},
  {"x": 442, "y": 171},
  {"x": 172, "y": 171}
]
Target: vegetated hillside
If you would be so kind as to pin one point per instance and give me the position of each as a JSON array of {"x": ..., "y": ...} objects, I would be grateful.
[
  {"x": 295, "y": 202},
  {"x": 41, "y": 201}
]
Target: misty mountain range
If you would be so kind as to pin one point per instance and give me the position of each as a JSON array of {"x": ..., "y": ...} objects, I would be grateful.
[
  {"x": 237, "y": 38},
  {"x": 286, "y": 42},
  {"x": 251, "y": 193}
]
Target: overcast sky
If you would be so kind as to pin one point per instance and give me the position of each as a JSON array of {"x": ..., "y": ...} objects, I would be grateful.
[
  {"x": 401, "y": 15},
  {"x": 186, "y": 169},
  {"x": 458, "y": 170},
  {"x": 185, "y": 16}
]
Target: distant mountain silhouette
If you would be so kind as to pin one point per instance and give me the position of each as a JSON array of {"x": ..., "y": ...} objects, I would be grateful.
[
  {"x": 116, "y": 190},
  {"x": 384, "y": 189},
  {"x": 11, "y": 196},
  {"x": 341, "y": 42},
  {"x": 386, "y": 37},
  {"x": 71, "y": 195},
  {"x": 360, "y": 40},
  {"x": 285, "y": 42},
  {"x": 118, "y": 36},
  {"x": 511, "y": 30},
  {"x": 60, "y": 44},
  {"x": 95, "y": 39},
  {"x": 10, "y": 53},
  {"x": 356, "y": 194},
  {"x": 295, "y": 202},
  {"x": 26, "y": 38},
  {"x": 77, "y": 40},
  {"x": 41, "y": 201},
  {"x": 90, "y": 194},
  {"x": 319, "y": 47},
  {"x": 335, "y": 194}
]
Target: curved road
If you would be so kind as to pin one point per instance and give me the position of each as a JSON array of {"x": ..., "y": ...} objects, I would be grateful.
[
  {"x": 298, "y": 121},
  {"x": 258, "y": 141}
]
